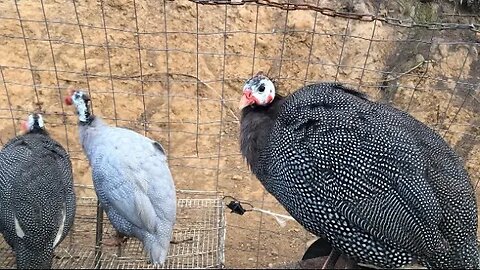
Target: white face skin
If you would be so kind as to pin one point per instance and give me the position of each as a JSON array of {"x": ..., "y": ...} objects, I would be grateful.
[
  {"x": 259, "y": 90},
  {"x": 31, "y": 121},
  {"x": 80, "y": 105}
]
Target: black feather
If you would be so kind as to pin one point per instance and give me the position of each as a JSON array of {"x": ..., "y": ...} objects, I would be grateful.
[{"x": 256, "y": 123}]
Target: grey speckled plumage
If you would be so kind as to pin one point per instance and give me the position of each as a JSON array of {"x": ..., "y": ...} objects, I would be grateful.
[
  {"x": 132, "y": 180},
  {"x": 37, "y": 200},
  {"x": 385, "y": 189}
]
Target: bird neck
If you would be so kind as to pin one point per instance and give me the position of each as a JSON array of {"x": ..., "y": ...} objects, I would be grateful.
[
  {"x": 89, "y": 119},
  {"x": 88, "y": 133},
  {"x": 255, "y": 126},
  {"x": 85, "y": 116},
  {"x": 38, "y": 130}
]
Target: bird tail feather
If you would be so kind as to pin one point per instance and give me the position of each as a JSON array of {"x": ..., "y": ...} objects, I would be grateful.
[{"x": 155, "y": 249}]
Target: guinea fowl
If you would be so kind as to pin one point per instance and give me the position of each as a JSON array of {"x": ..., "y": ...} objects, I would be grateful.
[
  {"x": 472, "y": 5},
  {"x": 132, "y": 180},
  {"x": 37, "y": 199},
  {"x": 382, "y": 187}
]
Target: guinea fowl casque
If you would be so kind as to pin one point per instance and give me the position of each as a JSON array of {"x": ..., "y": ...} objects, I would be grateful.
[
  {"x": 37, "y": 199},
  {"x": 132, "y": 180},
  {"x": 382, "y": 187}
]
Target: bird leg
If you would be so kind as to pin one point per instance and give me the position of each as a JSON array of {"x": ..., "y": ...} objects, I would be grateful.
[
  {"x": 331, "y": 259},
  {"x": 321, "y": 255},
  {"x": 116, "y": 240}
]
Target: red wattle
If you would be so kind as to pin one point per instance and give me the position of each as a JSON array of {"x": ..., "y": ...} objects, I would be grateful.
[
  {"x": 269, "y": 99},
  {"x": 23, "y": 125},
  {"x": 68, "y": 101}
]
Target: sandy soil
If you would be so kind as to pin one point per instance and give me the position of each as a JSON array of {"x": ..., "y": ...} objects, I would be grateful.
[{"x": 192, "y": 110}]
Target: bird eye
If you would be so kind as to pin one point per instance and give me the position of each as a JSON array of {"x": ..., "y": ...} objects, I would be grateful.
[{"x": 261, "y": 88}]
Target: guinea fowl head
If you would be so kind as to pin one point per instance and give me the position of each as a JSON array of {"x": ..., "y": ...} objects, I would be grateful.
[
  {"x": 34, "y": 123},
  {"x": 80, "y": 100},
  {"x": 259, "y": 107},
  {"x": 257, "y": 91}
]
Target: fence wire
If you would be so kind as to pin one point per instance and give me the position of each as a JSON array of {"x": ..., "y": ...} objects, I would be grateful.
[{"x": 173, "y": 70}]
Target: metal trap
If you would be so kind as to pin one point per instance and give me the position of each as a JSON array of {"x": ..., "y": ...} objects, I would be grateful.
[{"x": 199, "y": 234}]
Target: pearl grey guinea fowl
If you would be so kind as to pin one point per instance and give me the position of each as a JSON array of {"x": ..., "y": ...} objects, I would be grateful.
[
  {"x": 382, "y": 187},
  {"x": 131, "y": 178},
  {"x": 37, "y": 199}
]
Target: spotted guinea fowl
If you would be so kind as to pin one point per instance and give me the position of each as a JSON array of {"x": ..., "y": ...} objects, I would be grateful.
[
  {"x": 37, "y": 199},
  {"x": 131, "y": 178},
  {"x": 383, "y": 188}
]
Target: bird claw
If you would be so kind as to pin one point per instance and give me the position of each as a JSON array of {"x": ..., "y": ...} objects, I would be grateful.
[
  {"x": 156, "y": 265},
  {"x": 115, "y": 241}
]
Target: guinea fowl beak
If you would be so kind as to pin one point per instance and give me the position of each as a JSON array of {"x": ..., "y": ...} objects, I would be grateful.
[{"x": 247, "y": 99}]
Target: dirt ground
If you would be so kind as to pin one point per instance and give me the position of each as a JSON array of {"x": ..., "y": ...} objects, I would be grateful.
[{"x": 185, "y": 85}]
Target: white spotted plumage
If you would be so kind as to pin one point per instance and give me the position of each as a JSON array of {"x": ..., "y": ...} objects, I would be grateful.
[
  {"x": 384, "y": 189},
  {"x": 37, "y": 200}
]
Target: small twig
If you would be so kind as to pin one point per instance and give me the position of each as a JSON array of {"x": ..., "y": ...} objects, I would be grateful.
[
  {"x": 411, "y": 69},
  {"x": 70, "y": 80},
  {"x": 404, "y": 73}
]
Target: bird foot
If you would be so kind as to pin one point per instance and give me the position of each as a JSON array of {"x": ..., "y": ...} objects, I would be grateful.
[
  {"x": 115, "y": 241},
  {"x": 175, "y": 242},
  {"x": 156, "y": 265}
]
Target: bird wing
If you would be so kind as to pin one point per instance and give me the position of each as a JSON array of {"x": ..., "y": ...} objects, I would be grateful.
[
  {"x": 5, "y": 193},
  {"x": 63, "y": 162},
  {"x": 132, "y": 175},
  {"x": 36, "y": 197},
  {"x": 372, "y": 173}
]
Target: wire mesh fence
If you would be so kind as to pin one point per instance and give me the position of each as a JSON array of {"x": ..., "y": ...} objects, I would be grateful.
[
  {"x": 173, "y": 70},
  {"x": 198, "y": 236}
]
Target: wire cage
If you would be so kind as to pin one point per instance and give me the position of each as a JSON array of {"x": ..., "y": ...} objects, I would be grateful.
[
  {"x": 199, "y": 238},
  {"x": 174, "y": 71}
]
